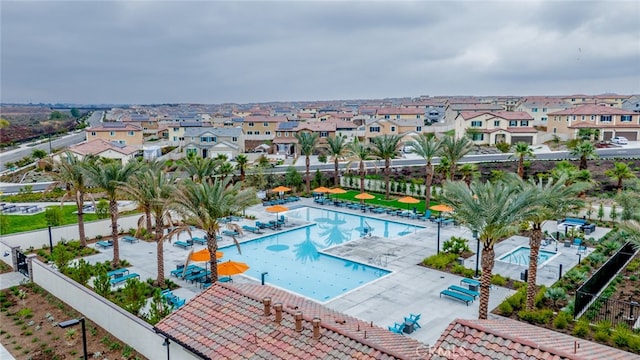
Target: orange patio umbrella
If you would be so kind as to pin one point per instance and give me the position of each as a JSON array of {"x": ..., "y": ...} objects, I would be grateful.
[
  {"x": 441, "y": 208},
  {"x": 277, "y": 209},
  {"x": 229, "y": 268},
  {"x": 408, "y": 200},
  {"x": 364, "y": 196},
  {"x": 337, "y": 191},
  {"x": 321, "y": 189},
  {"x": 281, "y": 189},
  {"x": 204, "y": 255}
]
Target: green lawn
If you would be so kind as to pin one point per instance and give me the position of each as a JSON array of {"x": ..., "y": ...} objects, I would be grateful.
[
  {"x": 381, "y": 201},
  {"x": 20, "y": 223}
]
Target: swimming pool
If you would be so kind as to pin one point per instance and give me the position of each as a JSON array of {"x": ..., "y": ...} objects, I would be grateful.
[
  {"x": 520, "y": 256},
  {"x": 293, "y": 259}
]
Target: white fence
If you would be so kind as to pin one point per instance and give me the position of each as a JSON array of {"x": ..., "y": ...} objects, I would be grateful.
[{"x": 126, "y": 327}]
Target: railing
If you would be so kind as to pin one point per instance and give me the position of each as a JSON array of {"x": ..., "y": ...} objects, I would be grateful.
[{"x": 589, "y": 291}]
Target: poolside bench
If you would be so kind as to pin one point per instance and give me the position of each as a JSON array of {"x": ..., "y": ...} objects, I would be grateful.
[
  {"x": 468, "y": 281},
  {"x": 183, "y": 244},
  {"x": 130, "y": 239},
  {"x": 456, "y": 295},
  {"x": 104, "y": 244},
  {"x": 199, "y": 240},
  {"x": 465, "y": 291},
  {"x": 118, "y": 272},
  {"x": 122, "y": 278}
]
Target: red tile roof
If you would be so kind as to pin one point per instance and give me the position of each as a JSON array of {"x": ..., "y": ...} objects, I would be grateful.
[
  {"x": 98, "y": 146},
  {"x": 504, "y": 338},
  {"x": 592, "y": 109},
  {"x": 228, "y": 321}
]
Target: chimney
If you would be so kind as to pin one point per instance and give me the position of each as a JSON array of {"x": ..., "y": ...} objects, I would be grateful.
[
  {"x": 316, "y": 328},
  {"x": 267, "y": 306},
  {"x": 298, "y": 317},
  {"x": 278, "y": 307}
]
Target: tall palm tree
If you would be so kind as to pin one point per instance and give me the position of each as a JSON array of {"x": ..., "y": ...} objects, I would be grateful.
[
  {"x": 386, "y": 147},
  {"x": 137, "y": 188},
  {"x": 200, "y": 169},
  {"x": 242, "y": 161},
  {"x": 468, "y": 173},
  {"x": 357, "y": 150},
  {"x": 109, "y": 176},
  {"x": 426, "y": 146},
  {"x": 522, "y": 150},
  {"x": 155, "y": 187},
  {"x": 454, "y": 149},
  {"x": 307, "y": 143},
  {"x": 224, "y": 170},
  {"x": 553, "y": 199},
  {"x": 337, "y": 146},
  {"x": 202, "y": 204},
  {"x": 68, "y": 173},
  {"x": 585, "y": 150},
  {"x": 620, "y": 172},
  {"x": 494, "y": 210}
]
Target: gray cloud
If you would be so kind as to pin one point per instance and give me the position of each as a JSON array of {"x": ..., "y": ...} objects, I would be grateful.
[{"x": 213, "y": 52}]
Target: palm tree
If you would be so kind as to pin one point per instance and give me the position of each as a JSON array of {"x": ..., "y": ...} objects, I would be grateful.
[
  {"x": 454, "y": 149},
  {"x": 224, "y": 170},
  {"x": 494, "y": 210},
  {"x": 468, "y": 172},
  {"x": 426, "y": 146},
  {"x": 155, "y": 188},
  {"x": 68, "y": 173},
  {"x": 202, "y": 204},
  {"x": 521, "y": 151},
  {"x": 386, "y": 147},
  {"x": 554, "y": 199},
  {"x": 585, "y": 151},
  {"x": 307, "y": 142},
  {"x": 620, "y": 172},
  {"x": 109, "y": 176},
  {"x": 137, "y": 188},
  {"x": 359, "y": 151},
  {"x": 242, "y": 161},
  {"x": 200, "y": 169},
  {"x": 337, "y": 147}
]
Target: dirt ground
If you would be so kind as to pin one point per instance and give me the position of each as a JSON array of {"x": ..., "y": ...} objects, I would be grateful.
[{"x": 28, "y": 329}]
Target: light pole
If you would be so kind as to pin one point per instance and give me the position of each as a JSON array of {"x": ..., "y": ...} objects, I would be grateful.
[
  {"x": 439, "y": 224},
  {"x": 72, "y": 322},
  {"x": 167, "y": 343},
  {"x": 475, "y": 236},
  {"x": 50, "y": 240}
]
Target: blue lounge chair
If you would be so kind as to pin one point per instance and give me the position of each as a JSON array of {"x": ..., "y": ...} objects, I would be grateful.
[
  {"x": 104, "y": 244},
  {"x": 472, "y": 282},
  {"x": 252, "y": 229},
  {"x": 199, "y": 240},
  {"x": 120, "y": 278},
  {"x": 183, "y": 244},
  {"x": 465, "y": 291},
  {"x": 458, "y": 296},
  {"x": 230, "y": 233},
  {"x": 130, "y": 239},
  {"x": 577, "y": 242}
]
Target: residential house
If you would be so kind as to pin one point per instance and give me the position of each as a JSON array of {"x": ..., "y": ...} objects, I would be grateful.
[
  {"x": 489, "y": 128},
  {"x": 285, "y": 140},
  {"x": 400, "y": 113},
  {"x": 456, "y": 106},
  {"x": 503, "y": 338},
  {"x": 612, "y": 100},
  {"x": 632, "y": 104},
  {"x": 393, "y": 127},
  {"x": 123, "y": 133},
  {"x": 105, "y": 149},
  {"x": 539, "y": 108},
  {"x": 175, "y": 131},
  {"x": 251, "y": 321},
  {"x": 609, "y": 121},
  {"x": 209, "y": 142},
  {"x": 261, "y": 127}
]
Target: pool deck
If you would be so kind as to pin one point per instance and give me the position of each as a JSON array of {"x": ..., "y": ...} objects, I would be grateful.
[{"x": 410, "y": 288}]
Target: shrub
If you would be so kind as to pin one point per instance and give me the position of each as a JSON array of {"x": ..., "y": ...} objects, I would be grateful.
[
  {"x": 455, "y": 245},
  {"x": 539, "y": 299},
  {"x": 622, "y": 336},
  {"x": 463, "y": 271},
  {"x": 562, "y": 320},
  {"x": 499, "y": 280},
  {"x": 517, "y": 300},
  {"x": 537, "y": 316},
  {"x": 440, "y": 261},
  {"x": 555, "y": 295},
  {"x": 505, "y": 308},
  {"x": 582, "y": 328}
]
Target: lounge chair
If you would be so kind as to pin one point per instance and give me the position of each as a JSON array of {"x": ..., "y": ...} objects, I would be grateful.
[
  {"x": 183, "y": 244},
  {"x": 199, "y": 240},
  {"x": 413, "y": 319},
  {"x": 120, "y": 278},
  {"x": 465, "y": 291},
  {"x": 577, "y": 242},
  {"x": 458, "y": 296},
  {"x": 130, "y": 239},
  {"x": 104, "y": 244},
  {"x": 396, "y": 328},
  {"x": 230, "y": 233},
  {"x": 252, "y": 229},
  {"x": 472, "y": 282}
]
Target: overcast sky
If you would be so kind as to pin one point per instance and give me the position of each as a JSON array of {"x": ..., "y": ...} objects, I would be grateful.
[{"x": 216, "y": 52}]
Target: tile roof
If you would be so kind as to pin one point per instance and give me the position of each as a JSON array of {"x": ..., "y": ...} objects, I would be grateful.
[
  {"x": 98, "y": 146},
  {"x": 228, "y": 321},
  {"x": 507, "y": 115},
  {"x": 503, "y": 338},
  {"x": 591, "y": 109},
  {"x": 115, "y": 126}
]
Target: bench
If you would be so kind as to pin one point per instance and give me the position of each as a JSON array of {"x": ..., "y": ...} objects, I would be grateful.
[
  {"x": 118, "y": 272},
  {"x": 465, "y": 291},
  {"x": 468, "y": 281},
  {"x": 199, "y": 240},
  {"x": 456, "y": 295},
  {"x": 121, "y": 278},
  {"x": 104, "y": 244},
  {"x": 183, "y": 244},
  {"x": 130, "y": 239}
]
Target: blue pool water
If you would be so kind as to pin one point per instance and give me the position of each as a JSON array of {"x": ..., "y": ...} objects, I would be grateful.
[
  {"x": 294, "y": 261},
  {"x": 520, "y": 256}
]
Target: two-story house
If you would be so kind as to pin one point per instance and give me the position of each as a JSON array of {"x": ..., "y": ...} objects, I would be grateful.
[
  {"x": 490, "y": 128},
  {"x": 404, "y": 128},
  {"x": 122, "y": 133},
  {"x": 261, "y": 127},
  {"x": 609, "y": 121},
  {"x": 208, "y": 141},
  {"x": 105, "y": 149},
  {"x": 539, "y": 108}
]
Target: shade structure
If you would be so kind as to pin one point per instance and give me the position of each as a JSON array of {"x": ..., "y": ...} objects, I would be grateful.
[
  {"x": 229, "y": 268},
  {"x": 441, "y": 208},
  {"x": 408, "y": 200},
  {"x": 321, "y": 190},
  {"x": 364, "y": 196},
  {"x": 277, "y": 209},
  {"x": 204, "y": 255},
  {"x": 337, "y": 191},
  {"x": 281, "y": 189}
]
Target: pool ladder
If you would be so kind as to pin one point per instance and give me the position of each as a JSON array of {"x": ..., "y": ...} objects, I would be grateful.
[{"x": 367, "y": 230}]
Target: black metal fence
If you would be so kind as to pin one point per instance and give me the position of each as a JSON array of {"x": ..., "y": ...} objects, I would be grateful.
[
  {"x": 592, "y": 287},
  {"x": 613, "y": 310},
  {"x": 23, "y": 267}
]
